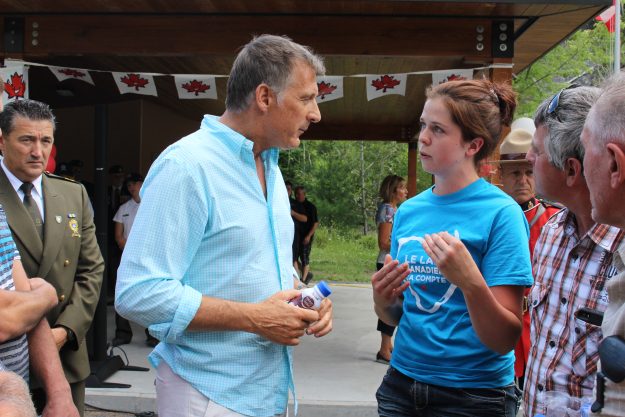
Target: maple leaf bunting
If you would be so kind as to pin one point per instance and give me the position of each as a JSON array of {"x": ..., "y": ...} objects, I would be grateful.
[
  {"x": 137, "y": 83},
  {"x": 196, "y": 86},
  {"x": 439, "y": 77},
  {"x": 325, "y": 89},
  {"x": 15, "y": 85},
  {"x": 63, "y": 73},
  {"x": 330, "y": 88},
  {"x": 384, "y": 85}
]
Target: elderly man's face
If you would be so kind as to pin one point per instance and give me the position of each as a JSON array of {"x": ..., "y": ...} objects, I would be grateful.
[
  {"x": 295, "y": 108},
  {"x": 549, "y": 180},
  {"x": 518, "y": 181},
  {"x": 597, "y": 174},
  {"x": 27, "y": 148}
]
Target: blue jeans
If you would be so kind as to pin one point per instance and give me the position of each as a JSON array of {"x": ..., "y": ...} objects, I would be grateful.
[{"x": 402, "y": 396}]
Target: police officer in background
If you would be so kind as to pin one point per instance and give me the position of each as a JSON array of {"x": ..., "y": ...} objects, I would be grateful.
[{"x": 518, "y": 182}]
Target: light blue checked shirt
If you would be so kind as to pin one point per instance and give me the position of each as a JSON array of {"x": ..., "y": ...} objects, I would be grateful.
[{"x": 204, "y": 227}]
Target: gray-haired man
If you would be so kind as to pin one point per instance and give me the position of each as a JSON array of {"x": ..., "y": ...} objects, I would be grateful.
[
  {"x": 604, "y": 166},
  {"x": 572, "y": 257},
  {"x": 210, "y": 278}
]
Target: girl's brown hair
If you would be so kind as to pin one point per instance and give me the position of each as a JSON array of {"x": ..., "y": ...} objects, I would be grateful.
[{"x": 480, "y": 108}]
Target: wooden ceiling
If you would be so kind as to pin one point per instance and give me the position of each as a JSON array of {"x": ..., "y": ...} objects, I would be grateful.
[{"x": 354, "y": 36}]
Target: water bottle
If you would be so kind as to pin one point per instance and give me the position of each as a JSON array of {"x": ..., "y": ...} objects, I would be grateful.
[{"x": 311, "y": 298}]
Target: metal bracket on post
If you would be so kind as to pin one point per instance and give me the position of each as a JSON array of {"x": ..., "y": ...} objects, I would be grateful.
[
  {"x": 13, "y": 34},
  {"x": 502, "y": 39}
]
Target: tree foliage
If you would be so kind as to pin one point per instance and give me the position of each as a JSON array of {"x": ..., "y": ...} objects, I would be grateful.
[
  {"x": 585, "y": 58},
  {"x": 331, "y": 172}
]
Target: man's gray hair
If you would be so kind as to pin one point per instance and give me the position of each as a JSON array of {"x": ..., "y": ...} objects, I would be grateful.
[
  {"x": 606, "y": 119},
  {"x": 565, "y": 123},
  {"x": 28, "y": 109},
  {"x": 266, "y": 59}
]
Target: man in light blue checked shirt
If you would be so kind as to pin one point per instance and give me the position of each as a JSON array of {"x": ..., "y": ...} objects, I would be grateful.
[{"x": 208, "y": 265}]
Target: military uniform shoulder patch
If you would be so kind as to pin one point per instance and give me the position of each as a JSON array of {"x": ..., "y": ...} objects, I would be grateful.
[{"x": 58, "y": 177}]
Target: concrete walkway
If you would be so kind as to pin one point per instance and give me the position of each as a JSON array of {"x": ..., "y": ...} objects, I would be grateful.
[{"x": 334, "y": 376}]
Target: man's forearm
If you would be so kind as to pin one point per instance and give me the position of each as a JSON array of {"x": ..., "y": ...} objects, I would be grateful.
[
  {"x": 21, "y": 311},
  {"x": 45, "y": 361}
]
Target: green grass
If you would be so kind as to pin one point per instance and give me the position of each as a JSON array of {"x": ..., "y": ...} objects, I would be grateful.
[{"x": 343, "y": 256}]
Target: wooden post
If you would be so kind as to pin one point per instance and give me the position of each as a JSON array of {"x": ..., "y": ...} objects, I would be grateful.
[{"x": 499, "y": 75}]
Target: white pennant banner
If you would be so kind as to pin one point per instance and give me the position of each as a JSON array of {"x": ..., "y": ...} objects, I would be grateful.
[
  {"x": 15, "y": 83},
  {"x": 330, "y": 88},
  {"x": 135, "y": 83},
  {"x": 385, "y": 85},
  {"x": 196, "y": 86},
  {"x": 439, "y": 77},
  {"x": 63, "y": 73}
]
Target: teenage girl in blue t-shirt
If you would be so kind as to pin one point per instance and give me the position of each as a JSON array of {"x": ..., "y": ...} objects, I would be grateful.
[{"x": 453, "y": 282}]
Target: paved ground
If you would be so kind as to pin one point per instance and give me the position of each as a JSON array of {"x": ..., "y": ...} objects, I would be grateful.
[{"x": 334, "y": 376}]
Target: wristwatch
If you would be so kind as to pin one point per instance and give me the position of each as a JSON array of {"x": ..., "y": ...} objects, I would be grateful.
[{"x": 71, "y": 336}]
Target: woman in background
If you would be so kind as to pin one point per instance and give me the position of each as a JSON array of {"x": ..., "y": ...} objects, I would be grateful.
[{"x": 393, "y": 192}]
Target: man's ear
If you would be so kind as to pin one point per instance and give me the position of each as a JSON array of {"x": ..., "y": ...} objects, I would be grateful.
[
  {"x": 263, "y": 96},
  {"x": 474, "y": 146},
  {"x": 573, "y": 169},
  {"x": 616, "y": 164}
]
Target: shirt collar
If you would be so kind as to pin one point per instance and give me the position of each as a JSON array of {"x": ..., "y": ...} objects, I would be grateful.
[
  {"x": 602, "y": 235},
  {"x": 236, "y": 142},
  {"x": 17, "y": 183}
]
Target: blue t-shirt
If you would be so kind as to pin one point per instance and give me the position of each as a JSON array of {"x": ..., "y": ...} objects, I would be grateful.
[{"x": 436, "y": 343}]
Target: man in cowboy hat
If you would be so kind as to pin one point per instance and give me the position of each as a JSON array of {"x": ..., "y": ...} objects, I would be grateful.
[{"x": 517, "y": 177}]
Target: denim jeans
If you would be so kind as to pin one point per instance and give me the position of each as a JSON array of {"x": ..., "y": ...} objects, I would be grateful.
[{"x": 402, "y": 396}]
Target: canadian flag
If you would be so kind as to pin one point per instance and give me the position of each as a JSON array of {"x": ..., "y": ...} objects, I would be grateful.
[
  {"x": 63, "y": 73},
  {"x": 330, "y": 88},
  {"x": 385, "y": 85},
  {"x": 439, "y": 77},
  {"x": 135, "y": 82},
  {"x": 609, "y": 17},
  {"x": 15, "y": 82},
  {"x": 196, "y": 86}
]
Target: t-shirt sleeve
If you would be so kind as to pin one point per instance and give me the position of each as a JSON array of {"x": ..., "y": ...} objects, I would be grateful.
[{"x": 507, "y": 260}]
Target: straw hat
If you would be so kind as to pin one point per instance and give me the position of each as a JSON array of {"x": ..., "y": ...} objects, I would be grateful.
[{"x": 516, "y": 144}]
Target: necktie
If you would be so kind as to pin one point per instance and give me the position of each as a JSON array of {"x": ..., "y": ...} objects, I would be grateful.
[{"x": 32, "y": 208}]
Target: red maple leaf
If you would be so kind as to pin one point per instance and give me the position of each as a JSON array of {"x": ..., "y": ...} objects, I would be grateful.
[
  {"x": 385, "y": 82},
  {"x": 134, "y": 80},
  {"x": 325, "y": 89},
  {"x": 196, "y": 87},
  {"x": 72, "y": 72},
  {"x": 456, "y": 77},
  {"x": 16, "y": 88}
]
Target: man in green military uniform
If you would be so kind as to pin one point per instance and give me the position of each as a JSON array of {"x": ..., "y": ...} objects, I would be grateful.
[{"x": 52, "y": 224}]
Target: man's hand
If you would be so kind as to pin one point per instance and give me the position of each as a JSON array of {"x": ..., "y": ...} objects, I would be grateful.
[
  {"x": 60, "y": 404},
  {"x": 276, "y": 320},
  {"x": 323, "y": 326},
  {"x": 44, "y": 290},
  {"x": 60, "y": 336}
]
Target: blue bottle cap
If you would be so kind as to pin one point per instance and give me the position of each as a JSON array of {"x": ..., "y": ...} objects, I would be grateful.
[{"x": 323, "y": 287}]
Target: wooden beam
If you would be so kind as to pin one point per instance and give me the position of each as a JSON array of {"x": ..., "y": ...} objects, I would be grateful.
[
  {"x": 224, "y": 34},
  {"x": 413, "y": 150}
]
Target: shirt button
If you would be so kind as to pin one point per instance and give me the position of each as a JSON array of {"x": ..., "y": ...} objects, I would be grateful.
[
  {"x": 540, "y": 387},
  {"x": 563, "y": 300},
  {"x": 578, "y": 330},
  {"x": 552, "y": 343},
  {"x": 61, "y": 297},
  {"x": 535, "y": 303},
  {"x": 66, "y": 262},
  {"x": 574, "y": 256}
]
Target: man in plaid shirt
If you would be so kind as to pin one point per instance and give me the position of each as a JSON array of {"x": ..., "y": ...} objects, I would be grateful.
[{"x": 572, "y": 258}]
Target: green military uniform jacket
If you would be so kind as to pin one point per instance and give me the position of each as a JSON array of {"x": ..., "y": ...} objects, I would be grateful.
[{"x": 69, "y": 258}]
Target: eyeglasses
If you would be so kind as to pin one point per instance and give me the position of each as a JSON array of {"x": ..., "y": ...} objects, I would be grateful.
[
  {"x": 553, "y": 104},
  {"x": 555, "y": 101}
]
